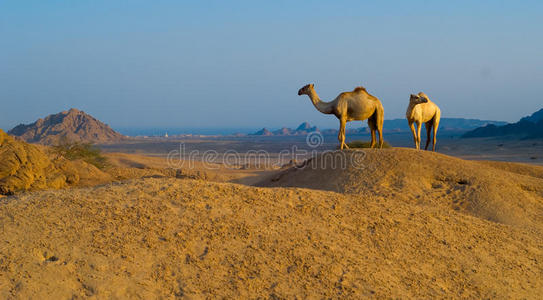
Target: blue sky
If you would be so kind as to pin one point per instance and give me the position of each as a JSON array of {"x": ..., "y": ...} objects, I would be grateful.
[{"x": 237, "y": 64}]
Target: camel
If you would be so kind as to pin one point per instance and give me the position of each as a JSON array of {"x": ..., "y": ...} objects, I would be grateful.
[
  {"x": 357, "y": 105},
  {"x": 422, "y": 110}
]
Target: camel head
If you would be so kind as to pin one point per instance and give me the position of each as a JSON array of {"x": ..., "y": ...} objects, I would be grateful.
[
  {"x": 305, "y": 90},
  {"x": 418, "y": 99}
]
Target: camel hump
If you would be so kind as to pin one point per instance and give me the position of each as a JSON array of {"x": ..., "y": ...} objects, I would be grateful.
[
  {"x": 421, "y": 94},
  {"x": 359, "y": 89}
]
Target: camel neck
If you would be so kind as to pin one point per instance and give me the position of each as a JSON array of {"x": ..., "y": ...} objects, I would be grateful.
[
  {"x": 410, "y": 109},
  {"x": 323, "y": 107}
]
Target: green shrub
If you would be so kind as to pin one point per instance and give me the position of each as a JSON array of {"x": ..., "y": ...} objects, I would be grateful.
[
  {"x": 365, "y": 144},
  {"x": 84, "y": 151}
]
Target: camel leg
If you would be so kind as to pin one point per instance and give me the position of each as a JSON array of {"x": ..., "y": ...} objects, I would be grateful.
[
  {"x": 419, "y": 126},
  {"x": 435, "y": 125},
  {"x": 380, "y": 132},
  {"x": 380, "y": 120},
  {"x": 412, "y": 126},
  {"x": 428, "y": 126},
  {"x": 341, "y": 135},
  {"x": 373, "y": 126}
]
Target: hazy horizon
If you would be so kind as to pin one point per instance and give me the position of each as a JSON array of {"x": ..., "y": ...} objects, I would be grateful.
[{"x": 240, "y": 64}]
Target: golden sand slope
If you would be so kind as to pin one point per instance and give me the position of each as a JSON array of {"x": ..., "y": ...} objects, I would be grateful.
[
  {"x": 178, "y": 237},
  {"x": 130, "y": 166},
  {"x": 502, "y": 192}
]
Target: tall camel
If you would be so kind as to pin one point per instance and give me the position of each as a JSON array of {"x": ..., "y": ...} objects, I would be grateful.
[
  {"x": 422, "y": 110},
  {"x": 357, "y": 105}
]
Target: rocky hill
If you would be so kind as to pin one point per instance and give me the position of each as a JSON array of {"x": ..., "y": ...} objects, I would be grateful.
[
  {"x": 72, "y": 125},
  {"x": 530, "y": 127}
]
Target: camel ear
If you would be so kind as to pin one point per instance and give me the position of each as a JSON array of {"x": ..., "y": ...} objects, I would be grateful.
[
  {"x": 424, "y": 98},
  {"x": 311, "y": 85}
]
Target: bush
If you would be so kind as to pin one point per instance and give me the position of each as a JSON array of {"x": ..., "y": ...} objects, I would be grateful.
[
  {"x": 365, "y": 144},
  {"x": 84, "y": 151}
]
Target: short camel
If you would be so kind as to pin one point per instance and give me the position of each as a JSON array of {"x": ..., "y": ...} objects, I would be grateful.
[
  {"x": 422, "y": 110},
  {"x": 351, "y": 106}
]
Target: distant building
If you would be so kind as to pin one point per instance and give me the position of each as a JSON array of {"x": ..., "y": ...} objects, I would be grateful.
[{"x": 166, "y": 135}]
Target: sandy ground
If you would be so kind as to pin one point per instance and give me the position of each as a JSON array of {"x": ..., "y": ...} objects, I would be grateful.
[
  {"x": 130, "y": 166},
  {"x": 448, "y": 228}
]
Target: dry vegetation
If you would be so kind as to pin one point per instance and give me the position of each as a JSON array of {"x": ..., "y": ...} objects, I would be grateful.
[{"x": 86, "y": 152}]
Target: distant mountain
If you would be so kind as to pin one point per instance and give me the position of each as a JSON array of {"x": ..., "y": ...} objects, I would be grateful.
[
  {"x": 528, "y": 127},
  {"x": 306, "y": 128},
  {"x": 535, "y": 117},
  {"x": 73, "y": 125},
  {"x": 283, "y": 131},
  {"x": 262, "y": 132},
  {"x": 452, "y": 124},
  {"x": 394, "y": 125},
  {"x": 303, "y": 129}
]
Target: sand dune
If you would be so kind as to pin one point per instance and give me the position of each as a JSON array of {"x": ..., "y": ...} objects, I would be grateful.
[
  {"x": 458, "y": 229},
  {"x": 507, "y": 193}
]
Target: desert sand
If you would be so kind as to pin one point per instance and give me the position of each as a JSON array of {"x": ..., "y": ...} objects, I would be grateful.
[{"x": 399, "y": 223}]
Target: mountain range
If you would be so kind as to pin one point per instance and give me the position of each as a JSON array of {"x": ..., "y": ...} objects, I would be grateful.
[
  {"x": 529, "y": 127},
  {"x": 394, "y": 125},
  {"x": 303, "y": 129}
]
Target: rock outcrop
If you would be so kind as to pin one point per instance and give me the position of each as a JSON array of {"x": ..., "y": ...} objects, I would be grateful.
[{"x": 28, "y": 167}]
